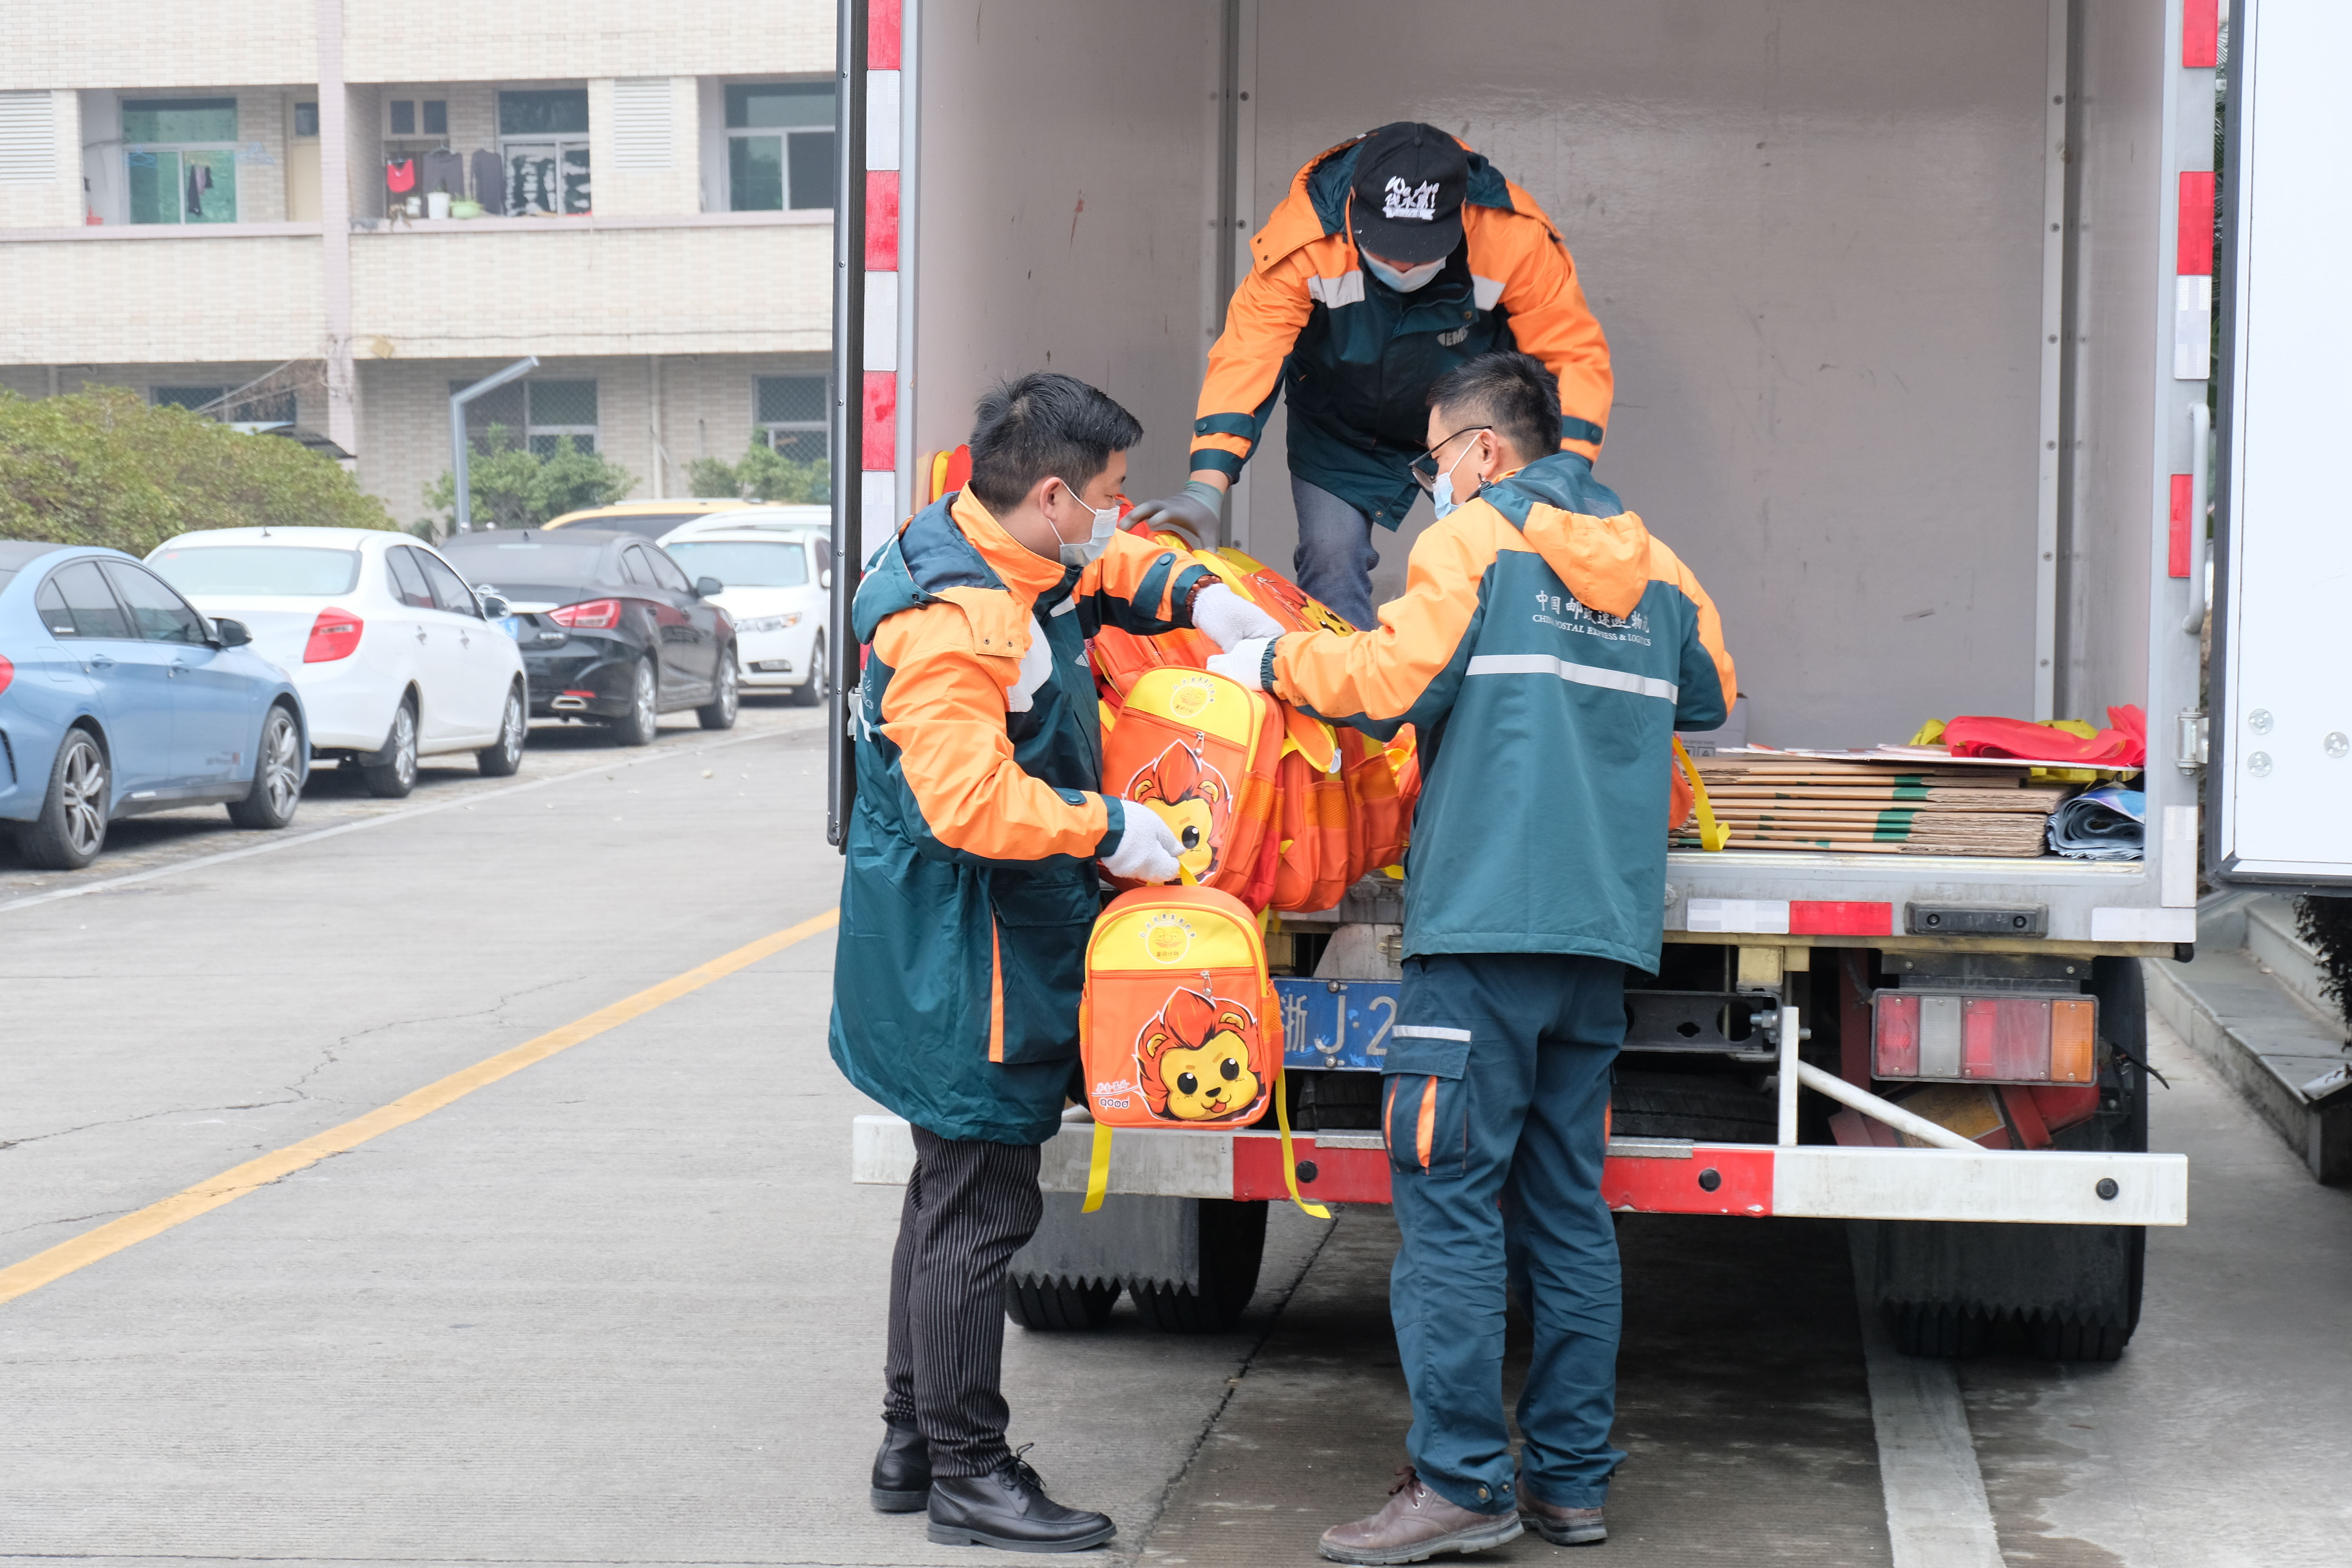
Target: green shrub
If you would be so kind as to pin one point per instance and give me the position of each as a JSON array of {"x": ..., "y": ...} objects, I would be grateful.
[
  {"x": 762, "y": 475},
  {"x": 514, "y": 487},
  {"x": 104, "y": 467}
]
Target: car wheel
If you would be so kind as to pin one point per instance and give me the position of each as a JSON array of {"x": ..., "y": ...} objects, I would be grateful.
[
  {"x": 718, "y": 713},
  {"x": 643, "y": 720},
  {"x": 71, "y": 828},
  {"x": 395, "y": 775},
  {"x": 501, "y": 760},
  {"x": 276, "y": 775},
  {"x": 811, "y": 692}
]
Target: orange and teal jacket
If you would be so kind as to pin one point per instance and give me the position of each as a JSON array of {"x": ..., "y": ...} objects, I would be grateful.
[
  {"x": 1356, "y": 358},
  {"x": 970, "y": 883},
  {"x": 1544, "y": 650}
]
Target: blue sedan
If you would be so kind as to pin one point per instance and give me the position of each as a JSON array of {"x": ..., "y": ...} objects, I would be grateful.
[{"x": 117, "y": 698}]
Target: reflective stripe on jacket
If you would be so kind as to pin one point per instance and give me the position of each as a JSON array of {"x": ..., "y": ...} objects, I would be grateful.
[
  {"x": 968, "y": 886},
  {"x": 1356, "y": 358},
  {"x": 1545, "y": 656}
]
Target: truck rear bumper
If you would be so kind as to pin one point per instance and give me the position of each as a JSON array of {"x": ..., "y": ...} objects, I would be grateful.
[{"x": 1642, "y": 1175}]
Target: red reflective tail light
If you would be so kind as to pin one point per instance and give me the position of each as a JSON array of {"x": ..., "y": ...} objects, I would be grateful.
[
  {"x": 7, "y": 672},
  {"x": 334, "y": 634},
  {"x": 589, "y": 614},
  {"x": 1992, "y": 1039}
]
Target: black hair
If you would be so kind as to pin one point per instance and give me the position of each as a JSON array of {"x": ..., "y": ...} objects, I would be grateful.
[
  {"x": 1510, "y": 393},
  {"x": 1043, "y": 425}
]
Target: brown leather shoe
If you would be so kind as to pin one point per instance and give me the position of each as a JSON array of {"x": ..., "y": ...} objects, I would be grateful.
[
  {"x": 1562, "y": 1526},
  {"x": 1416, "y": 1525}
]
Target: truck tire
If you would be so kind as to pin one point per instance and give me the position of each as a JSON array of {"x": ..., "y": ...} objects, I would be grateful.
[
  {"x": 2074, "y": 1290},
  {"x": 1705, "y": 1107},
  {"x": 1056, "y": 1305},
  {"x": 1232, "y": 1245}
]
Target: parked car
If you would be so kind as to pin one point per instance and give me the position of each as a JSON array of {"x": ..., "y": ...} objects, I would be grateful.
[
  {"x": 118, "y": 697},
  {"x": 766, "y": 518},
  {"x": 611, "y": 628},
  {"x": 648, "y": 519},
  {"x": 396, "y": 656},
  {"x": 776, "y": 594}
]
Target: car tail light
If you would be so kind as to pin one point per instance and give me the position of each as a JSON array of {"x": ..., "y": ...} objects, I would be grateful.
[
  {"x": 590, "y": 615},
  {"x": 334, "y": 634},
  {"x": 1989, "y": 1040},
  {"x": 7, "y": 673}
]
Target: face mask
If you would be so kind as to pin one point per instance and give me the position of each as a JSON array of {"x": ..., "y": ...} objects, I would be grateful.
[
  {"x": 1097, "y": 542},
  {"x": 1442, "y": 493},
  {"x": 1411, "y": 278}
]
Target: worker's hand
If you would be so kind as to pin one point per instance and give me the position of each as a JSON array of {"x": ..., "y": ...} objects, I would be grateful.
[
  {"x": 1243, "y": 663},
  {"x": 1147, "y": 847},
  {"x": 1190, "y": 512},
  {"x": 1226, "y": 618}
]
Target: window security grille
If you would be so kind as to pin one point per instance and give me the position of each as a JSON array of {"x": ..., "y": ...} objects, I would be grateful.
[
  {"x": 29, "y": 138},
  {"x": 641, "y": 122}
]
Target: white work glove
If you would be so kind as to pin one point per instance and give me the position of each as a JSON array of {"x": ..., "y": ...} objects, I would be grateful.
[
  {"x": 1191, "y": 511},
  {"x": 1243, "y": 663},
  {"x": 1226, "y": 618},
  {"x": 1147, "y": 847}
]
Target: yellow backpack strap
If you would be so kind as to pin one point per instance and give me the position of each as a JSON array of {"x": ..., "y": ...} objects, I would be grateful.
[
  {"x": 1711, "y": 835},
  {"x": 1097, "y": 1169},
  {"x": 1290, "y": 1163}
]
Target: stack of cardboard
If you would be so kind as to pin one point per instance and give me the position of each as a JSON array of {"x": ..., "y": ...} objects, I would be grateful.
[{"x": 1863, "y": 805}]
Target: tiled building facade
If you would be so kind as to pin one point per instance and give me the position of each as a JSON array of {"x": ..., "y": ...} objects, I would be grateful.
[{"x": 190, "y": 198}]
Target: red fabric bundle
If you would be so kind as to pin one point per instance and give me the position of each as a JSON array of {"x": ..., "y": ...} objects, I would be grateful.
[{"x": 2123, "y": 745}]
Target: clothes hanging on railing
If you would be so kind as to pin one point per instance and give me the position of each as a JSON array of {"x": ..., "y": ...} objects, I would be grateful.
[{"x": 489, "y": 180}]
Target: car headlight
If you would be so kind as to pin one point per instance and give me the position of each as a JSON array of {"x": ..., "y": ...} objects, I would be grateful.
[{"x": 768, "y": 623}]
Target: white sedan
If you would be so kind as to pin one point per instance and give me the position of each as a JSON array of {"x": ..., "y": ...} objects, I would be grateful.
[
  {"x": 395, "y": 657},
  {"x": 774, "y": 591}
]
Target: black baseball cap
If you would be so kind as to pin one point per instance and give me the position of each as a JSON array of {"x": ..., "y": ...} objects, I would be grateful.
[{"x": 1408, "y": 193}]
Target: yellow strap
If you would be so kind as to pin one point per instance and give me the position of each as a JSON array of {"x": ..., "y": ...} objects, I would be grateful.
[
  {"x": 1710, "y": 834},
  {"x": 1184, "y": 875},
  {"x": 1289, "y": 1165},
  {"x": 1097, "y": 1169}
]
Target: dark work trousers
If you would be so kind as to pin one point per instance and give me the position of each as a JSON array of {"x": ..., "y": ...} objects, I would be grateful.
[
  {"x": 1493, "y": 1108},
  {"x": 1334, "y": 557},
  {"x": 970, "y": 1206}
]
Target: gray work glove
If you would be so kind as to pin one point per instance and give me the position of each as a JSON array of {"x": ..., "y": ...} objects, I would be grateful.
[
  {"x": 1192, "y": 511},
  {"x": 1226, "y": 618},
  {"x": 1147, "y": 847}
]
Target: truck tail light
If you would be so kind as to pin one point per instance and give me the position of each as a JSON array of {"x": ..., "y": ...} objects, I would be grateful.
[
  {"x": 589, "y": 614},
  {"x": 334, "y": 634},
  {"x": 1984, "y": 1040}
]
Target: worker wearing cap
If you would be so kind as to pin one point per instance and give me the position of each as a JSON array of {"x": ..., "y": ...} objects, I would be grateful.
[{"x": 1395, "y": 258}]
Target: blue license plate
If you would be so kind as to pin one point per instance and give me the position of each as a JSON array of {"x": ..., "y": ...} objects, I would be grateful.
[{"x": 1341, "y": 1024}]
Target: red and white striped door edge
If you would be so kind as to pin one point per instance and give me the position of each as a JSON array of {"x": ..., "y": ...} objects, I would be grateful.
[{"x": 888, "y": 266}]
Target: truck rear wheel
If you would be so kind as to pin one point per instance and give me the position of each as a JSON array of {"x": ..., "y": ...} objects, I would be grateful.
[
  {"x": 2072, "y": 1289},
  {"x": 1232, "y": 1245},
  {"x": 1052, "y": 1306}
]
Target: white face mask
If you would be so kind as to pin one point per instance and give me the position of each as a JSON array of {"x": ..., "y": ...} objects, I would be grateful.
[
  {"x": 1442, "y": 493},
  {"x": 1096, "y": 541},
  {"x": 1406, "y": 281}
]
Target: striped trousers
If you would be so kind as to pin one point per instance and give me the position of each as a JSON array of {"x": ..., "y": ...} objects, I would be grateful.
[{"x": 969, "y": 1209}]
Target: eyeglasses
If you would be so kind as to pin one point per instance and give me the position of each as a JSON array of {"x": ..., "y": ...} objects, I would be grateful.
[{"x": 1424, "y": 467}]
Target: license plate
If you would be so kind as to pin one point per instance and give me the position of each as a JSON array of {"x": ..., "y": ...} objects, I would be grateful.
[
  {"x": 513, "y": 624},
  {"x": 1341, "y": 1024}
]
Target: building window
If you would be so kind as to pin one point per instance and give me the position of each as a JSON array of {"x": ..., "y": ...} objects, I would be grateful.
[
  {"x": 306, "y": 119},
  {"x": 778, "y": 145},
  {"x": 537, "y": 414},
  {"x": 181, "y": 159},
  {"x": 259, "y": 408},
  {"x": 401, "y": 117},
  {"x": 186, "y": 396},
  {"x": 789, "y": 412},
  {"x": 543, "y": 137}
]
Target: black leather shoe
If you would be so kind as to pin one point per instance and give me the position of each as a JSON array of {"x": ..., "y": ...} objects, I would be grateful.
[
  {"x": 902, "y": 1471},
  {"x": 1008, "y": 1508}
]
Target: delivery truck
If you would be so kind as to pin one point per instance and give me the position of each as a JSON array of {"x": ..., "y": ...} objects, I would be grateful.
[{"x": 1912, "y": 311}]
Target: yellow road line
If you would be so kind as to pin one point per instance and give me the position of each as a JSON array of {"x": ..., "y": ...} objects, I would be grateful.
[{"x": 232, "y": 1184}]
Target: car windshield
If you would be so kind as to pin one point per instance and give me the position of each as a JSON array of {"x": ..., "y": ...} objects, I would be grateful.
[
  {"x": 745, "y": 562},
  {"x": 259, "y": 571},
  {"x": 644, "y": 524},
  {"x": 507, "y": 563}
]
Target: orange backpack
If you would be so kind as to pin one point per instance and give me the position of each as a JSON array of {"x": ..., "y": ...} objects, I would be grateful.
[
  {"x": 1202, "y": 752},
  {"x": 1179, "y": 1025}
]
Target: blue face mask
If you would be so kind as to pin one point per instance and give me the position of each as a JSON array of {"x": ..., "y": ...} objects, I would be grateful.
[
  {"x": 1441, "y": 494},
  {"x": 1098, "y": 540},
  {"x": 1408, "y": 280}
]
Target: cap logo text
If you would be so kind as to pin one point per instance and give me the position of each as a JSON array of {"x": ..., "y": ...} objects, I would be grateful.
[{"x": 1401, "y": 200}]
